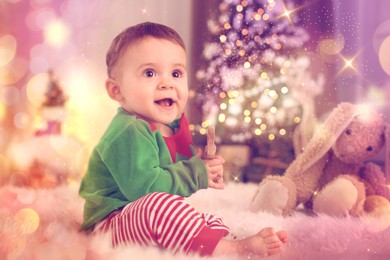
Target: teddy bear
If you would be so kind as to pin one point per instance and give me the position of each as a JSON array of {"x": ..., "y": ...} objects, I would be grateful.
[{"x": 331, "y": 174}]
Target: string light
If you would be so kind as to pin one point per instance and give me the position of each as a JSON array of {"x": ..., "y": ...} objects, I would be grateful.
[
  {"x": 221, "y": 118},
  {"x": 258, "y": 131}
]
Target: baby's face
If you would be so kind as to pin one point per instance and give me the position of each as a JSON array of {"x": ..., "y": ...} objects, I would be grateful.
[{"x": 152, "y": 76}]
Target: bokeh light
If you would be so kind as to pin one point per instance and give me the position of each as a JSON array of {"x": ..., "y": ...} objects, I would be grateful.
[
  {"x": 26, "y": 196},
  {"x": 27, "y": 220},
  {"x": 329, "y": 48},
  {"x": 36, "y": 88},
  {"x": 9, "y": 95},
  {"x": 22, "y": 120},
  {"x": 8, "y": 47},
  {"x": 384, "y": 55},
  {"x": 56, "y": 33},
  {"x": 380, "y": 33},
  {"x": 13, "y": 71},
  {"x": 39, "y": 64},
  {"x": 37, "y": 19},
  {"x": 85, "y": 81}
]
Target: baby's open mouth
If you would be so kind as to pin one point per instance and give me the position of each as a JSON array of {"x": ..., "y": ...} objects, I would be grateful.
[{"x": 166, "y": 102}]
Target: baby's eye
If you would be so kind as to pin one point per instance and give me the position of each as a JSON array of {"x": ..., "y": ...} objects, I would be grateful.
[
  {"x": 177, "y": 74},
  {"x": 149, "y": 73}
]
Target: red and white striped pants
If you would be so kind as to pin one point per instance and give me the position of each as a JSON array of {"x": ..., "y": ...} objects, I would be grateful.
[{"x": 166, "y": 221}]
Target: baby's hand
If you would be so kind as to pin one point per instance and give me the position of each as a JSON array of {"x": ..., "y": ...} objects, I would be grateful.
[{"x": 215, "y": 171}]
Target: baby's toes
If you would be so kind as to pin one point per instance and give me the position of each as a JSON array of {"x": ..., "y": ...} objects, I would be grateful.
[
  {"x": 274, "y": 251},
  {"x": 282, "y": 235}
]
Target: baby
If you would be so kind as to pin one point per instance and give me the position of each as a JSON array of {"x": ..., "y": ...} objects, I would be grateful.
[{"x": 145, "y": 163}]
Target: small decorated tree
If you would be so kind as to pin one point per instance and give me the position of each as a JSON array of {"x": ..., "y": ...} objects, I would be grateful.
[{"x": 53, "y": 108}]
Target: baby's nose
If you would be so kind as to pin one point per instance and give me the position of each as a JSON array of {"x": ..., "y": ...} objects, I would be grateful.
[{"x": 166, "y": 83}]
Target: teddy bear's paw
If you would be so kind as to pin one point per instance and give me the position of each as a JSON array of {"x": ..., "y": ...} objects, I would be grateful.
[
  {"x": 376, "y": 213},
  {"x": 337, "y": 198},
  {"x": 272, "y": 196}
]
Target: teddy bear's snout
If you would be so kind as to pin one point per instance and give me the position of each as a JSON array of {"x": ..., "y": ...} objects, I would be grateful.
[{"x": 350, "y": 149}]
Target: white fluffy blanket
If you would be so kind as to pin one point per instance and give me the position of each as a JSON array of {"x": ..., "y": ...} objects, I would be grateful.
[{"x": 43, "y": 224}]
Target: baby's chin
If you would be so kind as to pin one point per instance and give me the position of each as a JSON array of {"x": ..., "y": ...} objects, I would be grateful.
[{"x": 166, "y": 119}]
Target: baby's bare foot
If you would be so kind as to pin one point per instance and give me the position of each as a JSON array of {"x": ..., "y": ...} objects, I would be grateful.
[
  {"x": 282, "y": 235},
  {"x": 265, "y": 243}
]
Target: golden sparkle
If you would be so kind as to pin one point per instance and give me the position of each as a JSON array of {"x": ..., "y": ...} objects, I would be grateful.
[
  {"x": 348, "y": 63},
  {"x": 287, "y": 12}
]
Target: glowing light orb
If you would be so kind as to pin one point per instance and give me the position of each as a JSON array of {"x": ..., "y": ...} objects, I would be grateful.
[
  {"x": 39, "y": 64},
  {"x": 22, "y": 120},
  {"x": 221, "y": 118},
  {"x": 13, "y": 71},
  {"x": 37, "y": 19},
  {"x": 328, "y": 49},
  {"x": 380, "y": 33},
  {"x": 36, "y": 88},
  {"x": 384, "y": 54},
  {"x": 297, "y": 120},
  {"x": 27, "y": 220},
  {"x": 206, "y": 123},
  {"x": 7, "y": 49},
  {"x": 56, "y": 33},
  {"x": 26, "y": 196},
  {"x": 9, "y": 95},
  {"x": 332, "y": 46}
]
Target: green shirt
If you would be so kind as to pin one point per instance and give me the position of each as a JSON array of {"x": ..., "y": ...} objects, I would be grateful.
[{"x": 132, "y": 159}]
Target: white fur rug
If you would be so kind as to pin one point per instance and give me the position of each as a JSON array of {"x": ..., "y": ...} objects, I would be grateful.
[{"x": 43, "y": 224}]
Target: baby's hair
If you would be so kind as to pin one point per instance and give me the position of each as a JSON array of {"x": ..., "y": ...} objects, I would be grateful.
[{"x": 135, "y": 33}]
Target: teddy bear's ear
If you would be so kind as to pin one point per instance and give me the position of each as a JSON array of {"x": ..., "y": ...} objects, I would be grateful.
[
  {"x": 324, "y": 137},
  {"x": 387, "y": 152}
]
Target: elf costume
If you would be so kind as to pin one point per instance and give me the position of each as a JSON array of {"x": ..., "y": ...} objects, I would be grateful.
[{"x": 135, "y": 184}]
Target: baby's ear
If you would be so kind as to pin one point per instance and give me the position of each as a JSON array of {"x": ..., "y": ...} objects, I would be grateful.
[{"x": 113, "y": 89}]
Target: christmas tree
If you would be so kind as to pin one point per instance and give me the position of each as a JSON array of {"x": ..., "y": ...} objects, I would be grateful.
[{"x": 256, "y": 86}]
